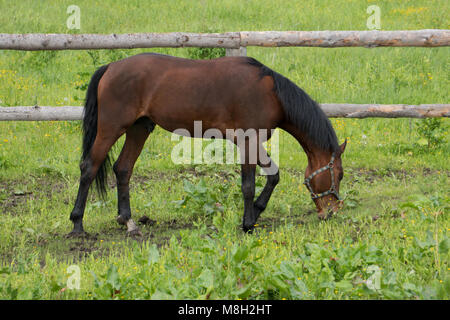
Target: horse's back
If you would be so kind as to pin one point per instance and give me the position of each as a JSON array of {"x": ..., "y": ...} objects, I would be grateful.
[{"x": 174, "y": 92}]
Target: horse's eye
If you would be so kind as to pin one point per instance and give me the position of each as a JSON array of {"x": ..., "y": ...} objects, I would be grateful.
[{"x": 341, "y": 175}]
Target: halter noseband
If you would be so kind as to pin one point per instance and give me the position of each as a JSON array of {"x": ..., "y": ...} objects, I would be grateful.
[{"x": 332, "y": 189}]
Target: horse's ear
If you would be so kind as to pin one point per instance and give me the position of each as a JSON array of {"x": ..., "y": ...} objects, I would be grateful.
[{"x": 342, "y": 146}]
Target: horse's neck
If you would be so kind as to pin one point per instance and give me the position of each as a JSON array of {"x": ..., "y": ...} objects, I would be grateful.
[{"x": 316, "y": 156}]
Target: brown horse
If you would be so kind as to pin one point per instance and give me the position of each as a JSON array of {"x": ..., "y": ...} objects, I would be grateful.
[{"x": 132, "y": 95}]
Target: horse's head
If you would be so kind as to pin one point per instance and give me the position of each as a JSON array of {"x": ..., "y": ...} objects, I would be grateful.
[{"x": 322, "y": 178}]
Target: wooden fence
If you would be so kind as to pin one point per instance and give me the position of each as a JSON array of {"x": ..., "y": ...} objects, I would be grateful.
[
  {"x": 332, "y": 110},
  {"x": 235, "y": 44},
  {"x": 230, "y": 40}
]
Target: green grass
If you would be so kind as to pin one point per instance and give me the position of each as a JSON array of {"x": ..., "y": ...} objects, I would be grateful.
[{"x": 390, "y": 241}]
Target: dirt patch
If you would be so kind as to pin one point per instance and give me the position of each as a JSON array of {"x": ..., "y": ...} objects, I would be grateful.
[
  {"x": 11, "y": 196},
  {"x": 14, "y": 193},
  {"x": 279, "y": 219},
  {"x": 115, "y": 238},
  {"x": 185, "y": 172},
  {"x": 109, "y": 240},
  {"x": 372, "y": 175},
  {"x": 274, "y": 223}
]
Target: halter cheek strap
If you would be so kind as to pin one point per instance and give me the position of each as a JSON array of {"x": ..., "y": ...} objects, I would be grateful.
[{"x": 332, "y": 189}]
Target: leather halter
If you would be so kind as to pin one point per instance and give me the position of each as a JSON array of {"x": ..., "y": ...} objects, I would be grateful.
[{"x": 332, "y": 189}]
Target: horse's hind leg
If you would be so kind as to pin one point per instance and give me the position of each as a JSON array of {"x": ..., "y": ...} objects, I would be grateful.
[
  {"x": 89, "y": 168},
  {"x": 123, "y": 168}
]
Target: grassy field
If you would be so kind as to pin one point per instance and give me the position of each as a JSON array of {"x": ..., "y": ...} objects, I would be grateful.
[{"x": 390, "y": 241}]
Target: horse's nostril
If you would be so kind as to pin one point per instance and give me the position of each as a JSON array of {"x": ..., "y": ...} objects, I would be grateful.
[{"x": 322, "y": 215}]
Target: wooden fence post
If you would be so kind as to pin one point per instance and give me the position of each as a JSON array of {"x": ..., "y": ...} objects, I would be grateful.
[{"x": 241, "y": 52}]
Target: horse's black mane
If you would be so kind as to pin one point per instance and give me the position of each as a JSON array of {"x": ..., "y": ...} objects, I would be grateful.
[{"x": 301, "y": 110}]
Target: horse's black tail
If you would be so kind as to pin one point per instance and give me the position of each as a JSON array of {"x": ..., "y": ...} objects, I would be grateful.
[{"x": 90, "y": 118}]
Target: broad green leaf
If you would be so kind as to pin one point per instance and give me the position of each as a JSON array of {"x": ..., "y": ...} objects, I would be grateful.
[
  {"x": 153, "y": 255},
  {"x": 444, "y": 245},
  {"x": 112, "y": 277},
  {"x": 240, "y": 254},
  {"x": 244, "y": 291},
  {"x": 422, "y": 142},
  {"x": 201, "y": 186},
  {"x": 344, "y": 285},
  {"x": 206, "y": 278},
  {"x": 276, "y": 282},
  {"x": 287, "y": 270},
  {"x": 188, "y": 186}
]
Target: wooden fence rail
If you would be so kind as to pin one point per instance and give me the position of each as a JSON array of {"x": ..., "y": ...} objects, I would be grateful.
[
  {"x": 229, "y": 40},
  {"x": 235, "y": 43},
  {"x": 332, "y": 110}
]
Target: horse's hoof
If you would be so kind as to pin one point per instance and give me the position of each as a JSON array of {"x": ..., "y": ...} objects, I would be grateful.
[
  {"x": 134, "y": 233},
  {"x": 248, "y": 230},
  {"x": 325, "y": 215},
  {"x": 132, "y": 229},
  {"x": 77, "y": 234},
  {"x": 120, "y": 220}
]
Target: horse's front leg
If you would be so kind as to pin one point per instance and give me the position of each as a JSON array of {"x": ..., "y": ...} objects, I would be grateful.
[
  {"x": 273, "y": 177},
  {"x": 248, "y": 191}
]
